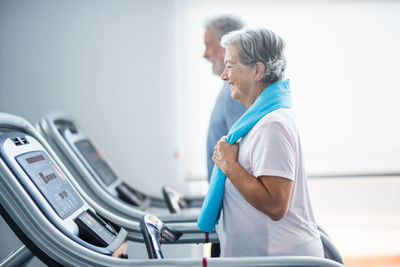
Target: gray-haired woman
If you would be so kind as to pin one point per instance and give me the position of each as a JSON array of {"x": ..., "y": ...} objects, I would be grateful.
[{"x": 266, "y": 206}]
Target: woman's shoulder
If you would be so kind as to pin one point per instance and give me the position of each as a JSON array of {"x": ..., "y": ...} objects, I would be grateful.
[
  {"x": 282, "y": 117},
  {"x": 277, "y": 123}
]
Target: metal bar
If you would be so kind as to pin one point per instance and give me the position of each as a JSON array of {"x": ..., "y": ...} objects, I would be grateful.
[{"x": 18, "y": 257}]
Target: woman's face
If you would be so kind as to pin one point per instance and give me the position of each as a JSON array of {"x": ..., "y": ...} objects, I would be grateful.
[{"x": 238, "y": 75}]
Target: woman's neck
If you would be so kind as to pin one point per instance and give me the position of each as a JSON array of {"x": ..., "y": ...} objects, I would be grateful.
[{"x": 255, "y": 93}]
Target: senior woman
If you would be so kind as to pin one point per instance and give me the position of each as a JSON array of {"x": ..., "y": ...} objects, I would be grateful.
[{"x": 266, "y": 205}]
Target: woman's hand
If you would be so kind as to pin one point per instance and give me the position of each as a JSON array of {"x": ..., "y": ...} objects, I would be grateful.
[
  {"x": 225, "y": 155},
  {"x": 269, "y": 194}
]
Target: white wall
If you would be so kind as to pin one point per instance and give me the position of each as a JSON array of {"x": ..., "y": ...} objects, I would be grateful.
[{"x": 111, "y": 65}]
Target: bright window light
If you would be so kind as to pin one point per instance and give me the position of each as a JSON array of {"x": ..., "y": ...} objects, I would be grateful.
[{"x": 343, "y": 64}]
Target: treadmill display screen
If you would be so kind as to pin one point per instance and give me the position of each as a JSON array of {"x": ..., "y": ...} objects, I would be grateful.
[
  {"x": 96, "y": 161},
  {"x": 51, "y": 182}
]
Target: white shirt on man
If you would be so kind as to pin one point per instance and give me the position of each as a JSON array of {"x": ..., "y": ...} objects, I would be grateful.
[{"x": 271, "y": 148}]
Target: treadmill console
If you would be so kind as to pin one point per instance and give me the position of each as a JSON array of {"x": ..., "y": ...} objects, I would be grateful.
[
  {"x": 54, "y": 195},
  {"x": 130, "y": 195},
  {"x": 50, "y": 182},
  {"x": 63, "y": 198},
  {"x": 103, "y": 170},
  {"x": 95, "y": 159},
  {"x": 98, "y": 167},
  {"x": 93, "y": 227}
]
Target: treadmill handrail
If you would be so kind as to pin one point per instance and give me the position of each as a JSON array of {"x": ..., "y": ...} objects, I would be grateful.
[
  {"x": 330, "y": 250},
  {"x": 18, "y": 257}
]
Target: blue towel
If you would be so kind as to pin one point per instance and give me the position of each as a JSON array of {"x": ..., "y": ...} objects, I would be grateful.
[{"x": 275, "y": 96}]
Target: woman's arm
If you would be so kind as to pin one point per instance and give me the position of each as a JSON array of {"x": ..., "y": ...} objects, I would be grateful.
[{"x": 269, "y": 194}]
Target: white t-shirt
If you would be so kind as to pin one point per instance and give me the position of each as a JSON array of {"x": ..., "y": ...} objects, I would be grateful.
[{"x": 272, "y": 148}]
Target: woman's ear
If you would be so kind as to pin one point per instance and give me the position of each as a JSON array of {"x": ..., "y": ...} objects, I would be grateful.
[{"x": 260, "y": 70}]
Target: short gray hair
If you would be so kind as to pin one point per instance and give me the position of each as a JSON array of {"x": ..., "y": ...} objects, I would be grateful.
[
  {"x": 259, "y": 45},
  {"x": 223, "y": 24}
]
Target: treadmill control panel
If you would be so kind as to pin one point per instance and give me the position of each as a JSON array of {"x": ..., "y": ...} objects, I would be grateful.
[
  {"x": 91, "y": 225},
  {"x": 129, "y": 195},
  {"x": 97, "y": 162},
  {"x": 51, "y": 182}
]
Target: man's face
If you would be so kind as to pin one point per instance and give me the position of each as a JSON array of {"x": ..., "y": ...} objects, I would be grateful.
[{"x": 214, "y": 52}]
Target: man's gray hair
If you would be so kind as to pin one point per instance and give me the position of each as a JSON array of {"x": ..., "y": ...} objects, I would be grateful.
[
  {"x": 223, "y": 24},
  {"x": 259, "y": 45}
]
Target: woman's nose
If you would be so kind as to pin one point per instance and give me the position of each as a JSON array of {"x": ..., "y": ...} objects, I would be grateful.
[{"x": 224, "y": 76}]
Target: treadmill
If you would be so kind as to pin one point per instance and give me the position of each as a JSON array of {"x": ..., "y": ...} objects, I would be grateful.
[
  {"x": 100, "y": 181},
  {"x": 187, "y": 231},
  {"x": 46, "y": 208},
  {"x": 34, "y": 189}
]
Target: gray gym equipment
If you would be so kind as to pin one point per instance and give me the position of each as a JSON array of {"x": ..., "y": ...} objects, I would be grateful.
[
  {"x": 48, "y": 229},
  {"x": 100, "y": 181},
  {"x": 190, "y": 232},
  {"x": 64, "y": 135},
  {"x": 33, "y": 188}
]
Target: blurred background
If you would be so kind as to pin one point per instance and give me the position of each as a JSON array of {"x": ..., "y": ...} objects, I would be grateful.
[{"x": 131, "y": 73}]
